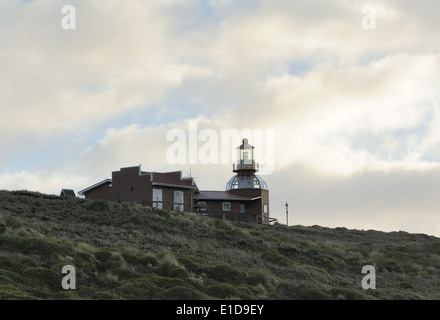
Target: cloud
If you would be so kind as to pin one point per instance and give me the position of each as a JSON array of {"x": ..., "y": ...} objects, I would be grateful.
[
  {"x": 347, "y": 119},
  {"x": 128, "y": 57},
  {"x": 213, "y": 142},
  {"x": 350, "y": 108},
  {"x": 47, "y": 182},
  {"x": 390, "y": 201},
  {"x": 119, "y": 59}
]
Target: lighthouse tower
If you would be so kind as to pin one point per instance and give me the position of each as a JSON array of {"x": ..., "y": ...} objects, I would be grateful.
[
  {"x": 246, "y": 197},
  {"x": 245, "y": 170}
]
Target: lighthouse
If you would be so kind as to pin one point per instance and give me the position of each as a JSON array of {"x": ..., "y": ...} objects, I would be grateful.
[{"x": 245, "y": 170}]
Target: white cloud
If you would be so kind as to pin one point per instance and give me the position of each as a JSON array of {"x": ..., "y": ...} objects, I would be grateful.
[
  {"x": 119, "y": 59},
  {"x": 342, "y": 100},
  {"x": 390, "y": 201},
  {"x": 220, "y": 3},
  {"x": 46, "y": 182},
  {"x": 324, "y": 116}
]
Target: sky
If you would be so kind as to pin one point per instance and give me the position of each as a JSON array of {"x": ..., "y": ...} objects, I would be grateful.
[{"x": 340, "y": 98}]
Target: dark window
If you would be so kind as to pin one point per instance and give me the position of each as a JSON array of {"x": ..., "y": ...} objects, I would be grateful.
[
  {"x": 226, "y": 206},
  {"x": 202, "y": 206}
]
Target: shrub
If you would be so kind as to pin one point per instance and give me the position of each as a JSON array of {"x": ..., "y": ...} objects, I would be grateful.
[
  {"x": 84, "y": 248},
  {"x": 406, "y": 285},
  {"x": 261, "y": 276},
  {"x": 140, "y": 262},
  {"x": 5, "y": 280},
  {"x": 147, "y": 287},
  {"x": 229, "y": 234},
  {"x": 227, "y": 273},
  {"x": 148, "y": 260},
  {"x": 65, "y": 295},
  {"x": 43, "y": 277},
  {"x": 29, "y": 262},
  {"x": 108, "y": 265},
  {"x": 165, "y": 282},
  {"x": 108, "y": 280},
  {"x": 390, "y": 265},
  {"x": 104, "y": 295},
  {"x": 98, "y": 206},
  {"x": 229, "y": 291},
  {"x": 11, "y": 292},
  {"x": 347, "y": 294},
  {"x": 103, "y": 255},
  {"x": 124, "y": 273},
  {"x": 313, "y": 294},
  {"x": 218, "y": 224},
  {"x": 85, "y": 263},
  {"x": 286, "y": 290},
  {"x": 3, "y": 228},
  {"x": 8, "y": 263},
  {"x": 173, "y": 271},
  {"x": 13, "y": 277},
  {"x": 130, "y": 258},
  {"x": 181, "y": 293},
  {"x": 136, "y": 220},
  {"x": 222, "y": 290},
  {"x": 276, "y": 258},
  {"x": 167, "y": 257},
  {"x": 12, "y": 223},
  {"x": 44, "y": 247},
  {"x": 435, "y": 248},
  {"x": 189, "y": 263}
]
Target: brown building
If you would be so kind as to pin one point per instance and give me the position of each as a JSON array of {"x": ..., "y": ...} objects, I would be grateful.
[
  {"x": 166, "y": 190},
  {"x": 246, "y": 197}
]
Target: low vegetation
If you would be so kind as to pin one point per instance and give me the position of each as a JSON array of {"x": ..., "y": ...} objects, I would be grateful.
[{"x": 128, "y": 251}]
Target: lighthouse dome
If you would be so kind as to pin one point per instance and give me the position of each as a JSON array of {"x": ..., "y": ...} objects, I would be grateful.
[{"x": 246, "y": 181}]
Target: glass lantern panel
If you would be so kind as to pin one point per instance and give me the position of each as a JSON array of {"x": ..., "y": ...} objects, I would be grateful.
[{"x": 246, "y": 156}]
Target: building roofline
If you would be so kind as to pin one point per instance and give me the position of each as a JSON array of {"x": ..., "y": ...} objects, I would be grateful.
[
  {"x": 129, "y": 167},
  {"x": 96, "y": 185},
  {"x": 154, "y": 183}
]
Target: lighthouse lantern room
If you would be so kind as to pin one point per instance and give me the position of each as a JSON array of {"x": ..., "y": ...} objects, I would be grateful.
[{"x": 245, "y": 169}]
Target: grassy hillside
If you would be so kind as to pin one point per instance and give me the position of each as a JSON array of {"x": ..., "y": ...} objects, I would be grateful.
[{"x": 127, "y": 251}]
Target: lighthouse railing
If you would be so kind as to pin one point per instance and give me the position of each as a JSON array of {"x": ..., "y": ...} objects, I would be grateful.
[{"x": 245, "y": 166}]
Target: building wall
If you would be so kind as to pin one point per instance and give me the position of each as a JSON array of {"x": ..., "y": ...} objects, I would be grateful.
[
  {"x": 265, "y": 200},
  {"x": 130, "y": 186},
  {"x": 251, "y": 213},
  {"x": 103, "y": 192},
  {"x": 252, "y": 208},
  {"x": 255, "y": 193},
  {"x": 168, "y": 197},
  {"x": 215, "y": 206}
]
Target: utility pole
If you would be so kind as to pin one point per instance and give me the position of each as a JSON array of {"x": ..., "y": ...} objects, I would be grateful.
[{"x": 287, "y": 213}]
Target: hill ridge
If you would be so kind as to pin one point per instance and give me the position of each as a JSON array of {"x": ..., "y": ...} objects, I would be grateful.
[{"x": 128, "y": 251}]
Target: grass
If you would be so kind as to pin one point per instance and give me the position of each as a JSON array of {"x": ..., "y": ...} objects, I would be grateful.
[{"x": 128, "y": 251}]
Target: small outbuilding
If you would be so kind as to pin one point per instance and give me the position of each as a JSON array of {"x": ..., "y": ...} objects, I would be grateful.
[{"x": 68, "y": 193}]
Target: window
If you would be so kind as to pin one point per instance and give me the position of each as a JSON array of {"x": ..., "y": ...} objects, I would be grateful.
[
  {"x": 178, "y": 200},
  {"x": 202, "y": 206},
  {"x": 157, "y": 198},
  {"x": 242, "y": 208},
  {"x": 265, "y": 208},
  {"x": 226, "y": 206}
]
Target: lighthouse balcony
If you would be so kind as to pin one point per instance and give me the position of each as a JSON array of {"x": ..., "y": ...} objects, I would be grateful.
[{"x": 244, "y": 165}]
